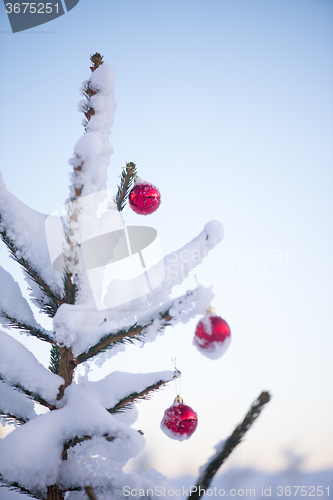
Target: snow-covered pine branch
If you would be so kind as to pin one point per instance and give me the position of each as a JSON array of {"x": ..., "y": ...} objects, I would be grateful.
[
  {"x": 19, "y": 368},
  {"x": 14, "y": 486},
  {"x": 32, "y": 455},
  {"x": 15, "y": 311},
  {"x": 92, "y": 151},
  {"x": 127, "y": 401},
  {"x": 90, "y": 161},
  {"x": 89, "y": 333},
  {"x": 15, "y": 405},
  {"x": 23, "y": 231},
  {"x": 153, "y": 322}
]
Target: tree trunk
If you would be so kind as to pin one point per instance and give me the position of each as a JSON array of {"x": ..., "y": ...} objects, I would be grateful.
[{"x": 53, "y": 493}]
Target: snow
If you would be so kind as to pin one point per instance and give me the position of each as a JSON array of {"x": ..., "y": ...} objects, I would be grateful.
[
  {"x": 19, "y": 366},
  {"x": 215, "y": 349},
  {"x": 173, "y": 435},
  {"x": 15, "y": 403},
  {"x": 81, "y": 328},
  {"x": 179, "y": 264},
  {"x": 82, "y": 325},
  {"x": 207, "y": 324},
  {"x": 243, "y": 480},
  {"x": 32, "y": 454},
  {"x": 116, "y": 386},
  {"x": 12, "y": 302},
  {"x": 26, "y": 229},
  {"x": 93, "y": 149},
  {"x": 138, "y": 181},
  {"x": 240, "y": 480}
]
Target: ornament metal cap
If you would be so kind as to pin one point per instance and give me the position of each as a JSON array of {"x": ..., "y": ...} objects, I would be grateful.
[
  {"x": 211, "y": 311},
  {"x": 178, "y": 399}
]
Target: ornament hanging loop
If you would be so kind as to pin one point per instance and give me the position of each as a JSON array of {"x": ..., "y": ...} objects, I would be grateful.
[
  {"x": 177, "y": 374},
  {"x": 178, "y": 399}
]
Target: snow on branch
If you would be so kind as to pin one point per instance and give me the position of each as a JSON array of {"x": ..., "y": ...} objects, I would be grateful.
[
  {"x": 15, "y": 405},
  {"x": 154, "y": 321},
  {"x": 223, "y": 449},
  {"x": 23, "y": 231},
  {"x": 32, "y": 456},
  {"x": 16, "y": 487},
  {"x": 90, "y": 332},
  {"x": 127, "y": 401},
  {"x": 20, "y": 368},
  {"x": 117, "y": 388},
  {"x": 92, "y": 151},
  {"x": 15, "y": 310},
  {"x": 179, "y": 264}
]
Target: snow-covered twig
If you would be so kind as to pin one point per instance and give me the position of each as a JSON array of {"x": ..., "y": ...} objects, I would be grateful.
[
  {"x": 52, "y": 300},
  {"x": 15, "y": 405},
  {"x": 226, "y": 447},
  {"x": 136, "y": 332},
  {"x": 20, "y": 369},
  {"x": 77, "y": 440},
  {"x": 182, "y": 309},
  {"x": 32, "y": 395},
  {"x": 15, "y": 310},
  {"x": 16, "y": 487},
  {"x": 40, "y": 333},
  {"x": 124, "y": 403},
  {"x": 12, "y": 418}
]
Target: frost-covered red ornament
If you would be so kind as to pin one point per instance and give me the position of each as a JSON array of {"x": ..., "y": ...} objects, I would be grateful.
[
  {"x": 144, "y": 198},
  {"x": 179, "y": 421},
  {"x": 212, "y": 335}
]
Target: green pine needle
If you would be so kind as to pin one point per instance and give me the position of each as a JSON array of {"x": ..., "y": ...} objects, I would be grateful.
[
  {"x": 54, "y": 359},
  {"x": 127, "y": 177}
]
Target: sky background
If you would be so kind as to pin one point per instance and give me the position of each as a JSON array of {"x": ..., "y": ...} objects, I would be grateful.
[{"x": 226, "y": 106}]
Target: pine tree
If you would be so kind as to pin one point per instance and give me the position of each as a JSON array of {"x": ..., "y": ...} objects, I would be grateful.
[{"x": 53, "y": 454}]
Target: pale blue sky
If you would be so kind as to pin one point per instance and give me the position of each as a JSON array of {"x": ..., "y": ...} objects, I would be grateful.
[{"x": 227, "y": 108}]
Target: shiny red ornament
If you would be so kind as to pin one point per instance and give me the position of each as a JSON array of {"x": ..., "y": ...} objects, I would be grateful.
[
  {"x": 179, "y": 421},
  {"x": 144, "y": 198},
  {"x": 212, "y": 335}
]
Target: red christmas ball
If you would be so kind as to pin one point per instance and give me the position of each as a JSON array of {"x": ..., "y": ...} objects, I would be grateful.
[
  {"x": 212, "y": 335},
  {"x": 144, "y": 198},
  {"x": 179, "y": 421}
]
